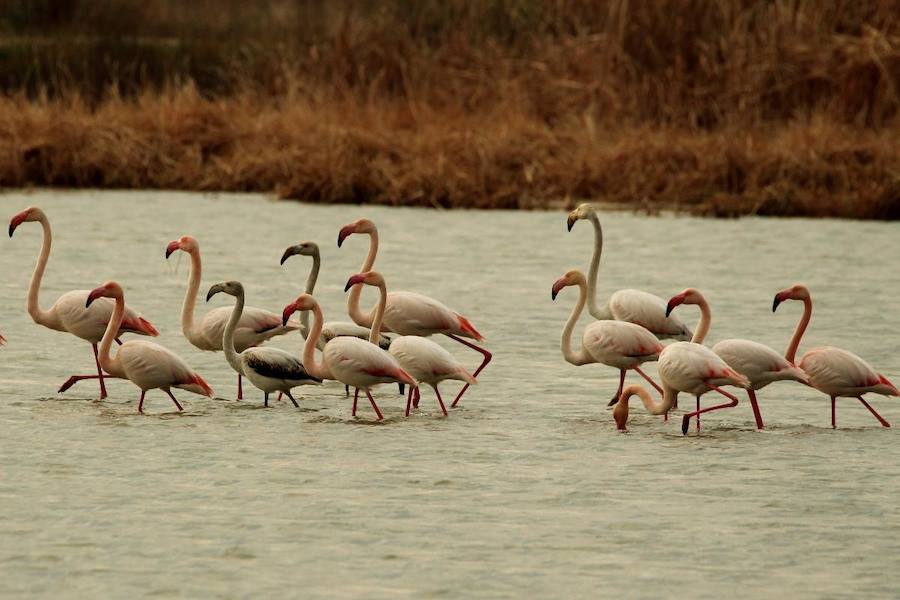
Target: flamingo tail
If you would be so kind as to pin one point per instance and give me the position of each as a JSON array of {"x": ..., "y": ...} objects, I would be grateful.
[
  {"x": 139, "y": 325},
  {"x": 197, "y": 385},
  {"x": 468, "y": 329}
]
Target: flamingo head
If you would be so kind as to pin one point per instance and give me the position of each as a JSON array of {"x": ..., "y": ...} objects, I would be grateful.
[
  {"x": 232, "y": 288},
  {"x": 573, "y": 277},
  {"x": 358, "y": 226},
  {"x": 373, "y": 278},
  {"x": 303, "y": 302},
  {"x": 185, "y": 242},
  {"x": 583, "y": 211},
  {"x": 688, "y": 296},
  {"x": 110, "y": 289},
  {"x": 303, "y": 248},
  {"x": 32, "y": 213},
  {"x": 795, "y": 292}
]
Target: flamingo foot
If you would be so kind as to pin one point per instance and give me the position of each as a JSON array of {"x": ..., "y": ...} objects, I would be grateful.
[
  {"x": 374, "y": 406},
  {"x": 76, "y": 378},
  {"x": 756, "y": 414},
  {"x": 685, "y": 422},
  {"x": 874, "y": 413},
  {"x": 487, "y": 358}
]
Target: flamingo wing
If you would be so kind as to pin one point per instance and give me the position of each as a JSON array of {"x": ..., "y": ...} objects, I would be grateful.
[
  {"x": 837, "y": 372},
  {"x": 692, "y": 368},
  {"x": 149, "y": 365},
  {"x": 89, "y": 323},
  {"x": 276, "y": 364},
  {"x": 334, "y": 329},
  {"x": 426, "y": 361},
  {"x": 408, "y": 313},
  {"x": 361, "y": 364},
  {"x": 648, "y": 311}
]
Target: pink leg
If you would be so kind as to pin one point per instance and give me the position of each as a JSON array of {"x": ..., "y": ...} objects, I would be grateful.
[
  {"x": 409, "y": 396},
  {"x": 374, "y": 406},
  {"x": 279, "y": 396},
  {"x": 240, "y": 388},
  {"x": 355, "y": 398},
  {"x": 874, "y": 413},
  {"x": 141, "y": 402},
  {"x": 756, "y": 414},
  {"x": 650, "y": 381},
  {"x": 833, "y": 420},
  {"x": 619, "y": 391},
  {"x": 686, "y": 421},
  {"x": 440, "y": 400},
  {"x": 416, "y": 397},
  {"x": 178, "y": 406},
  {"x": 698, "y": 413},
  {"x": 99, "y": 372},
  {"x": 487, "y": 358},
  {"x": 76, "y": 378}
]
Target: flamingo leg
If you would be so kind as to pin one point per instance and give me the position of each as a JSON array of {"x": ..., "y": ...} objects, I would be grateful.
[
  {"x": 347, "y": 390},
  {"x": 416, "y": 396},
  {"x": 650, "y": 381},
  {"x": 76, "y": 378},
  {"x": 686, "y": 420},
  {"x": 280, "y": 394},
  {"x": 698, "y": 413},
  {"x": 374, "y": 406},
  {"x": 402, "y": 387},
  {"x": 240, "y": 388},
  {"x": 833, "y": 415},
  {"x": 874, "y": 412},
  {"x": 756, "y": 414},
  {"x": 172, "y": 396},
  {"x": 266, "y": 400},
  {"x": 618, "y": 395},
  {"x": 487, "y": 358},
  {"x": 288, "y": 393},
  {"x": 355, "y": 398},
  {"x": 141, "y": 402},
  {"x": 439, "y": 399},
  {"x": 409, "y": 401}
]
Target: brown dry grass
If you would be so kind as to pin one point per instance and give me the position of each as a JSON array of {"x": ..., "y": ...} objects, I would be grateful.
[{"x": 786, "y": 108}]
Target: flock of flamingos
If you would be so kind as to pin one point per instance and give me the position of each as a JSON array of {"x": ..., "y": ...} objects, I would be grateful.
[{"x": 625, "y": 334}]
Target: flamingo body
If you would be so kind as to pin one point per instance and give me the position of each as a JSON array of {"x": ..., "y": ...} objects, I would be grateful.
[
  {"x": 150, "y": 366},
  {"x": 759, "y": 363},
  {"x": 648, "y": 311},
  {"x": 426, "y": 361},
  {"x": 274, "y": 370},
  {"x": 620, "y": 344},
  {"x": 361, "y": 364},
  {"x": 409, "y": 313},
  {"x": 838, "y": 373},
  {"x": 691, "y": 368},
  {"x": 68, "y": 314}
]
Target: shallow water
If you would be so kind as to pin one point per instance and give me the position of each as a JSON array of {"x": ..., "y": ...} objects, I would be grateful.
[{"x": 526, "y": 490}]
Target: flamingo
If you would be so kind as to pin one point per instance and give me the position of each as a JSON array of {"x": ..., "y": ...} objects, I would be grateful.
[
  {"x": 352, "y": 361},
  {"x": 146, "y": 364},
  {"x": 686, "y": 367},
  {"x": 757, "y": 362},
  {"x": 633, "y": 306},
  {"x": 331, "y": 329},
  {"x": 833, "y": 371},
  {"x": 255, "y": 327},
  {"x": 409, "y": 313},
  {"x": 422, "y": 358},
  {"x": 70, "y": 313},
  {"x": 269, "y": 369},
  {"x": 618, "y": 344}
]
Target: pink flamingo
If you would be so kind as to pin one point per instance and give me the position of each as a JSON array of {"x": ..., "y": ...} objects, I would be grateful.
[
  {"x": 146, "y": 364},
  {"x": 632, "y": 306},
  {"x": 422, "y": 358},
  {"x": 255, "y": 326},
  {"x": 757, "y": 362},
  {"x": 408, "y": 313},
  {"x": 70, "y": 313},
  {"x": 350, "y": 360},
  {"x": 686, "y": 367},
  {"x": 833, "y": 371},
  {"x": 618, "y": 344}
]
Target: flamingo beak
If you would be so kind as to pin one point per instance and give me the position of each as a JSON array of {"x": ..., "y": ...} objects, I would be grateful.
[
  {"x": 16, "y": 221},
  {"x": 570, "y": 222},
  {"x": 674, "y": 301},
  {"x": 558, "y": 285},
  {"x": 346, "y": 231},
  {"x": 287, "y": 312},
  {"x": 291, "y": 252},
  {"x": 215, "y": 289},
  {"x": 354, "y": 280},
  {"x": 778, "y": 300},
  {"x": 172, "y": 247},
  {"x": 93, "y": 295}
]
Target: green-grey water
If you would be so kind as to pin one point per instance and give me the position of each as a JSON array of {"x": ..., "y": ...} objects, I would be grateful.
[{"x": 526, "y": 490}]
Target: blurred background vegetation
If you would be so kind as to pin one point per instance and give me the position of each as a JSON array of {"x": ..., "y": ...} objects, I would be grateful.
[{"x": 734, "y": 106}]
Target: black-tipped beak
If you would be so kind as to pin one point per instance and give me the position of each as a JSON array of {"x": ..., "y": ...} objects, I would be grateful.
[
  {"x": 553, "y": 294},
  {"x": 671, "y": 306},
  {"x": 287, "y": 254},
  {"x": 213, "y": 291},
  {"x": 90, "y": 301},
  {"x": 570, "y": 222},
  {"x": 775, "y": 303},
  {"x": 12, "y": 229},
  {"x": 172, "y": 247}
]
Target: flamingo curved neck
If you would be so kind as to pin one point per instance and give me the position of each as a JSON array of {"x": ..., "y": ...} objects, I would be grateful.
[
  {"x": 316, "y": 369},
  {"x": 310, "y": 287},
  {"x": 579, "y": 357},
  {"x": 34, "y": 289},
  {"x": 112, "y": 364},
  {"x": 791, "y": 353},
  {"x": 703, "y": 325},
  {"x": 375, "y": 333},
  {"x": 653, "y": 407},
  {"x": 360, "y": 318},
  {"x": 188, "y": 326},
  {"x": 594, "y": 272},
  {"x": 231, "y": 354}
]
